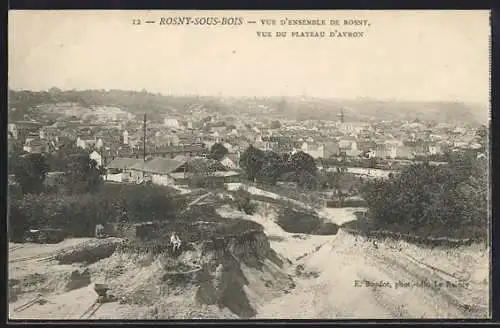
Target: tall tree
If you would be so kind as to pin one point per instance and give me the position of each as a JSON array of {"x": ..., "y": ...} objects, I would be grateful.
[
  {"x": 271, "y": 169},
  {"x": 483, "y": 134},
  {"x": 30, "y": 171},
  {"x": 425, "y": 199},
  {"x": 199, "y": 171},
  {"x": 83, "y": 174},
  {"x": 303, "y": 162},
  {"x": 218, "y": 151},
  {"x": 252, "y": 161},
  {"x": 275, "y": 124}
]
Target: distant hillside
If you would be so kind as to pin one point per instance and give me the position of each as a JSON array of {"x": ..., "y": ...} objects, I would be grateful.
[
  {"x": 156, "y": 105},
  {"x": 361, "y": 110}
]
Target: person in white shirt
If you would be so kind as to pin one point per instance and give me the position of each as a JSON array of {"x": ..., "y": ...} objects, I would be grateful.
[
  {"x": 175, "y": 241},
  {"x": 99, "y": 231}
]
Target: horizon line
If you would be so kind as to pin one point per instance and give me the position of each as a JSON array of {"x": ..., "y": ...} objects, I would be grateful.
[{"x": 221, "y": 95}]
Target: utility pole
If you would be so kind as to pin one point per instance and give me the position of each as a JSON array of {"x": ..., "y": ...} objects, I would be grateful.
[{"x": 144, "y": 139}]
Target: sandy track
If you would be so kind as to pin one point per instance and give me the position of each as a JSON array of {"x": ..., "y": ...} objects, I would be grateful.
[
  {"x": 342, "y": 259},
  {"x": 334, "y": 294}
]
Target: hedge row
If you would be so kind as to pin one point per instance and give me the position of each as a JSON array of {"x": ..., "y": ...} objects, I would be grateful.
[{"x": 78, "y": 214}]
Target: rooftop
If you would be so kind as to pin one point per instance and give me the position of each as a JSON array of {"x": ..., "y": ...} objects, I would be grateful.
[
  {"x": 158, "y": 165},
  {"x": 123, "y": 163}
]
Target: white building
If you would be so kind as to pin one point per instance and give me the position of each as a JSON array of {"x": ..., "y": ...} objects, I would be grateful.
[
  {"x": 228, "y": 146},
  {"x": 96, "y": 157},
  {"x": 435, "y": 149},
  {"x": 99, "y": 143},
  {"x": 80, "y": 143},
  {"x": 216, "y": 137},
  {"x": 171, "y": 123},
  {"x": 13, "y": 130},
  {"x": 229, "y": 162},
  {"x": 125, "y": 137},
  {"x": 317, "y": 152}
]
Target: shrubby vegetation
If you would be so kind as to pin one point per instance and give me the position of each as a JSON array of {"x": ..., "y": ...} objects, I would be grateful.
[
  {"x": 199, "y": 173},
  {"x": 218, "y": 151},
  {"x": 80, "y": 199},
  {"x": 30, "y": 171},
  {"x": 449, "y": 200},
  {"x": 80, "y": 173},
  {"x": 268, "y": 167},
  {"x": 243, "y": 202},
  {"x": 295, "y": 220},
  {"x": 78, "y": 214}
]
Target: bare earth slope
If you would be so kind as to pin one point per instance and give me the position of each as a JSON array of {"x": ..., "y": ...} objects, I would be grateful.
[
  {"x": 345, "y": 266},
  {"x": 414, "y": 282},
  {"x": 333, "y": 276}
]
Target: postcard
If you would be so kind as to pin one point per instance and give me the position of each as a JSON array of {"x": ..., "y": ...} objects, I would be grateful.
[{"x": 195, "y": 164}]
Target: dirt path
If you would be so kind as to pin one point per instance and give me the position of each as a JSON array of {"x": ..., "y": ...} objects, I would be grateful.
[
  {"x": 407, "y": 289},
  {"x": 343, "y": 264}
]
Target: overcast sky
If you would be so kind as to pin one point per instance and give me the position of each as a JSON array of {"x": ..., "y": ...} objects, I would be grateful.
[{"x": 404, "y": 55}]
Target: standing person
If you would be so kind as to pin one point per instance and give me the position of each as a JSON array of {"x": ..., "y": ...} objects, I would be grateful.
[
  {"x": 175, "y": 241},
  {"x": 99, "y": 231}
]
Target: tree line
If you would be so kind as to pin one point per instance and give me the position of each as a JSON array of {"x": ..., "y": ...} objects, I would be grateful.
[
  {"x": 78, "y": 199},
  {"x": 449, "y": 200},
  {"x": 268, "y": 167}
]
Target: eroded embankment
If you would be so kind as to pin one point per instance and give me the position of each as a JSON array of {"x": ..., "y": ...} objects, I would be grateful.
[
  {"x": 360, "y": 227},
  {"x": 225, "y": 276},
  {"x": 232, "y": 272},
  {"x": 349, "y": 268},
  {"x": 58, "y": 271}
]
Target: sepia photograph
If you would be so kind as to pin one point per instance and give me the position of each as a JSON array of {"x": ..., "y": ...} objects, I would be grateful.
[{"x": 191, "y": 164}]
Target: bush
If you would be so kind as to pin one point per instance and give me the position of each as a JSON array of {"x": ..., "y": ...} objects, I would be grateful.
[
  {"x": 327, "y": 228},
  {"x": 298, "y": 221},
  {"x": 303, "y": 221},
  {"x": 243, "y": 202},
  {"x": 438, "y": 201},
  {"x": 78, "y": 214}
]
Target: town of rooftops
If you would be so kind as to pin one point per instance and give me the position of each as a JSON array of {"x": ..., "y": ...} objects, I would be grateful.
[{"x": 110, "y": 133}]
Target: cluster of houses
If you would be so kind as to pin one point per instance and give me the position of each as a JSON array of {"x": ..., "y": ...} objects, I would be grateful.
[
  {"x": 351, "y": 147},
  {"x": 172, "y": 143},
  {"x": 168, "y": 171}
]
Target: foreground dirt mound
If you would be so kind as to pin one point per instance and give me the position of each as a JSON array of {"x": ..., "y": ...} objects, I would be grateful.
[
  {"x": 228, "y": 277},
  {"x": 58, "y": 281},
  {"x": 241, "y": 273}
]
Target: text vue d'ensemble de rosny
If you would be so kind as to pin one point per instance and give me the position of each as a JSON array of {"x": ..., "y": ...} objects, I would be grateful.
[{"x": 237, "y": 21}]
